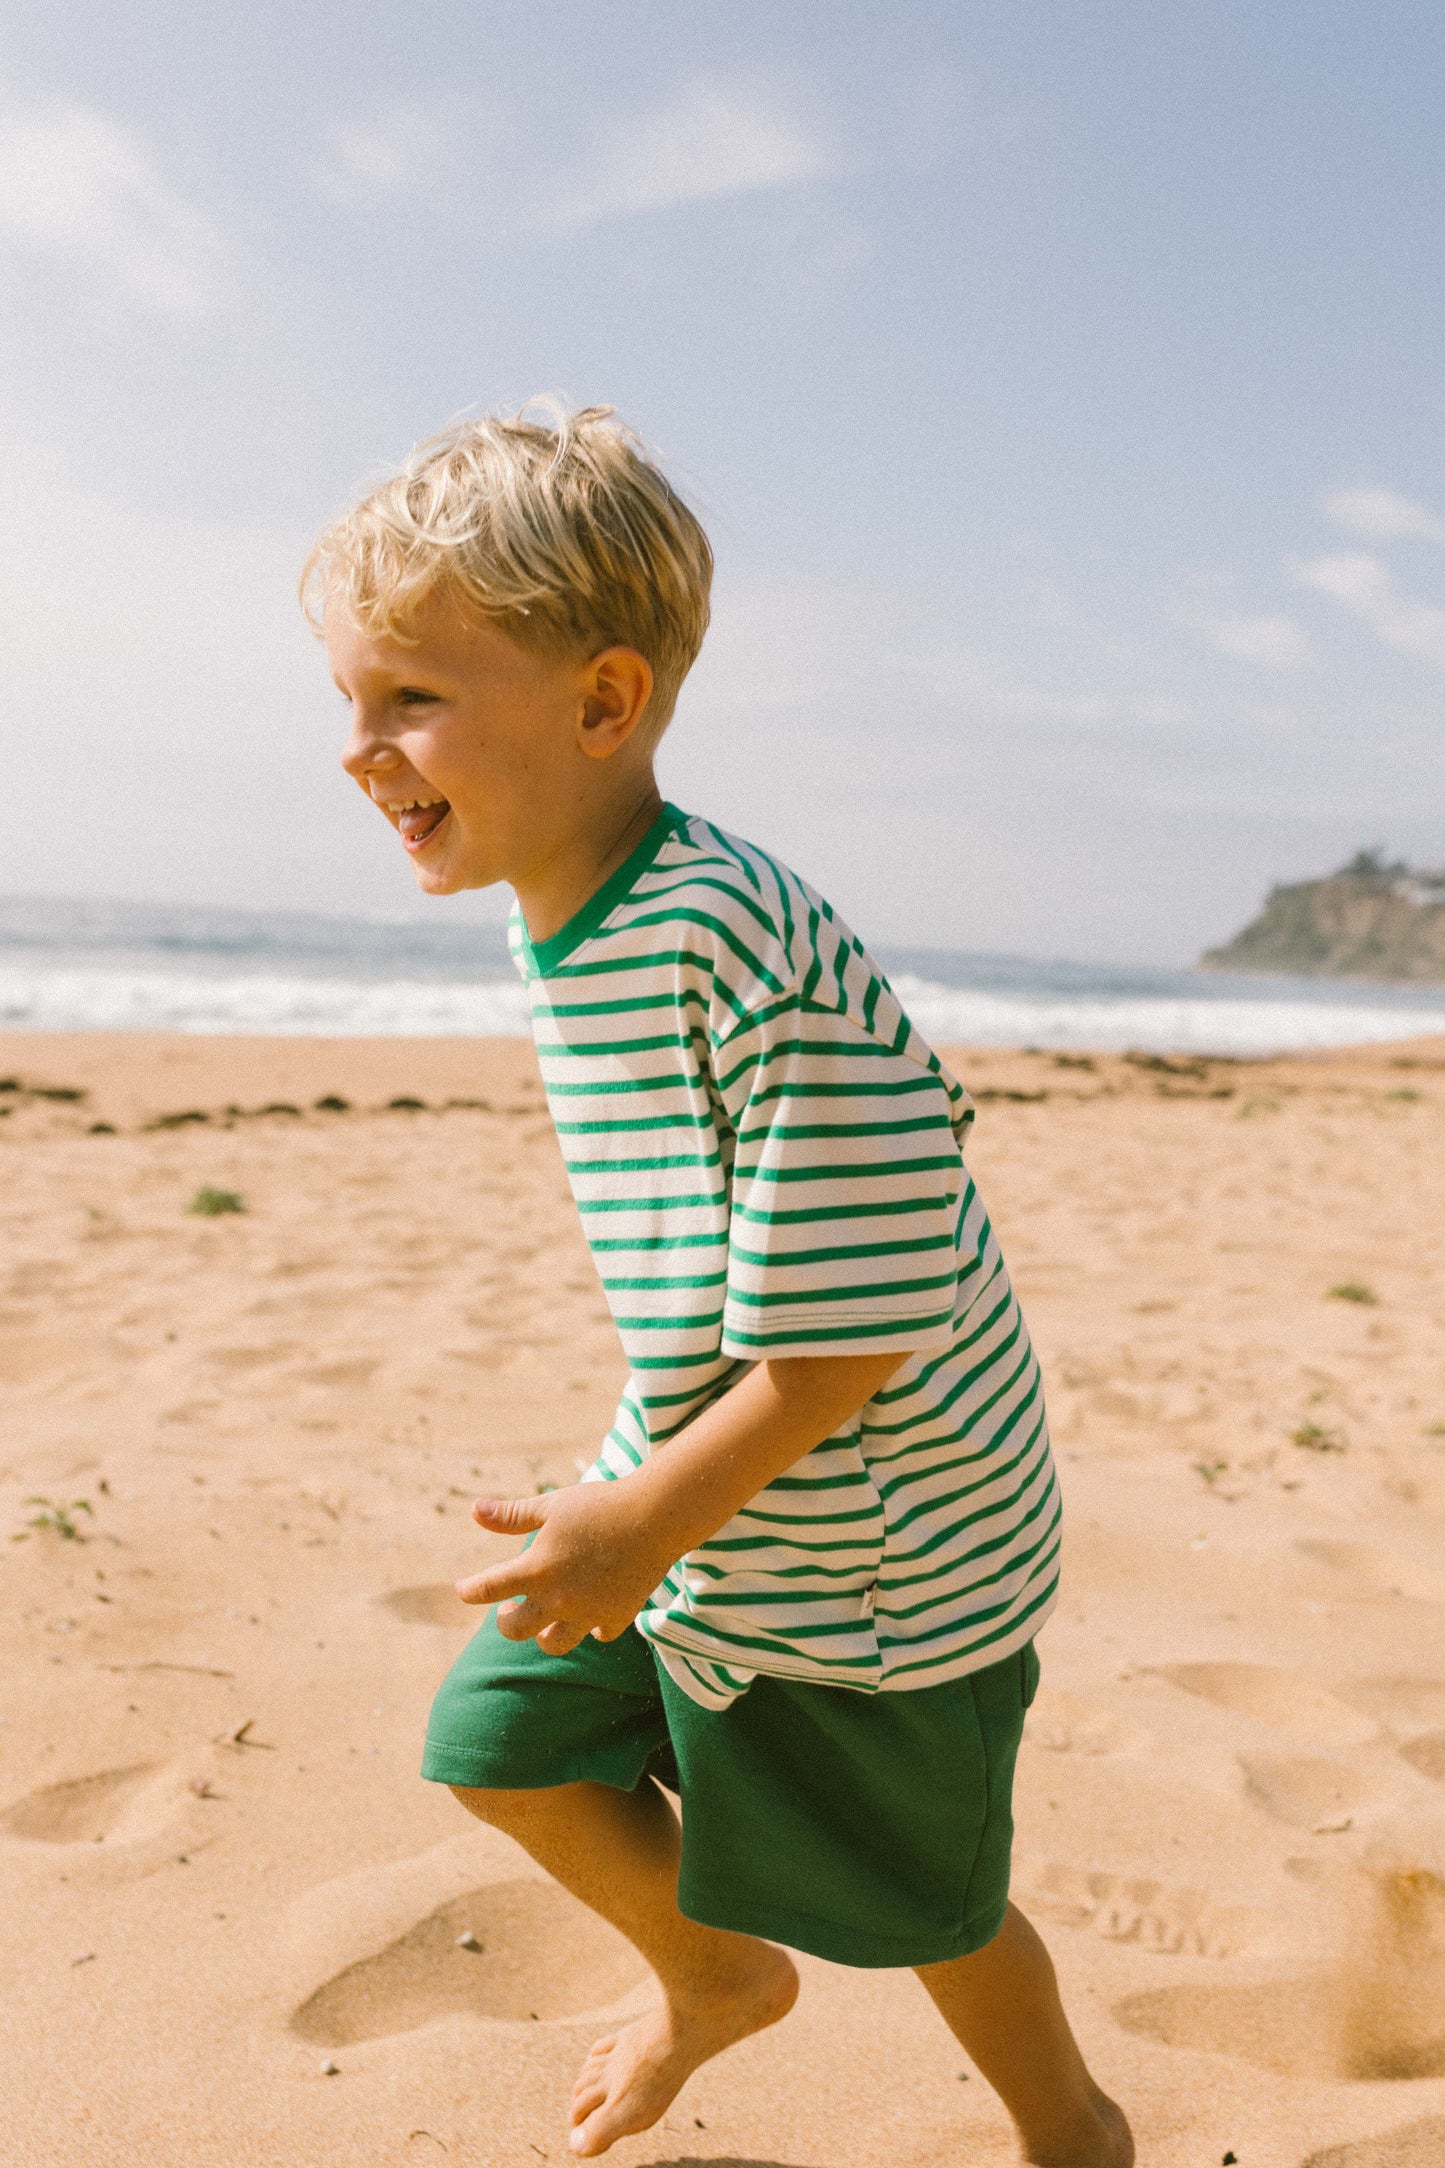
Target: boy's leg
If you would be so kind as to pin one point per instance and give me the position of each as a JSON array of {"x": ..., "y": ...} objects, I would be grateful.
[
  {"x": 1002, "y": 2004},
  {"x": 619, "y": 1852}
]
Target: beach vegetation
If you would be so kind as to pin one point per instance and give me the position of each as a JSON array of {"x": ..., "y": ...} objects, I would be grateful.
[
  {"x": 333, "y": 1103},
  {"x": 1351, "y": 1291},
  {"x": 406, "y": 1105},
  {"x": 58, "y": 1516},
  {"x": 211, "y": 1203},
  {"x": 1315, "y": 1438},
  {"x": 1211, "y": 1470}
]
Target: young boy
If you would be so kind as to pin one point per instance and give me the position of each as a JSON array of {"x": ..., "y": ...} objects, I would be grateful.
[{"x": 800, "y": 1586}]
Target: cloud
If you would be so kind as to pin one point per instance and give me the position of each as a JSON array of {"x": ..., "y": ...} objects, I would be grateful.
[
  {"x": 383, "y": 159},
  {"x": 704, "y": 140},
  {"x": 1271, "y": 643},
  {"x": 1365, "y": 586},
  {"x": 79, "y": 191},
  {"x": 529, "y": 170},
  {"x": 1383, "y": 514}
]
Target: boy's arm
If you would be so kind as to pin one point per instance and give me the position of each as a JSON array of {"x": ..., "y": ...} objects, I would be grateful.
[{"x": 602, "y": 1548}]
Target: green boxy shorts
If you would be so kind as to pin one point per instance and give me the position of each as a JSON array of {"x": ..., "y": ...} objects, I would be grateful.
[{"x": 872, "y": 1829}]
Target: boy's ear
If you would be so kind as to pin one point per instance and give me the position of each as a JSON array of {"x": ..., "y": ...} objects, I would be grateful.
[{"x": 617, "y": 689}]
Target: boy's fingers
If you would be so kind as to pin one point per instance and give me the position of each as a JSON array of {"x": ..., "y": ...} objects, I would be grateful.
[
  {"x": 525, "y": 1621},
  {"x": 560, "y": 1639},
  {"x": 497, "y": 1582},
  {"x": 511, "y": 1516}
]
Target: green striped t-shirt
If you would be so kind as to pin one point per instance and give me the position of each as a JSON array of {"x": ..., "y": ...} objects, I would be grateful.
[{"x": 767, "y": 1160}]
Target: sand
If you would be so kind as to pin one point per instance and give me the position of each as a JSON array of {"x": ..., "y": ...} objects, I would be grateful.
[{"x": 221, "y": 1873}]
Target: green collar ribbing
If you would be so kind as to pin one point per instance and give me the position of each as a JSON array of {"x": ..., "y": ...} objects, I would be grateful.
[{"x": 542, "y": 957}]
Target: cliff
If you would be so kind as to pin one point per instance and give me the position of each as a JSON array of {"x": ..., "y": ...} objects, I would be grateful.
[{"x": 1368, "y": 921}]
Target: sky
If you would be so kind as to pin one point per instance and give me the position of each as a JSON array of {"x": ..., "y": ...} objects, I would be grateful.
[{"x": 1060, "y": 384}]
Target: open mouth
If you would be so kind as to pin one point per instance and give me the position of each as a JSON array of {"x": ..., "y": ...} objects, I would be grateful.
[{"x": 418, "y": 825}]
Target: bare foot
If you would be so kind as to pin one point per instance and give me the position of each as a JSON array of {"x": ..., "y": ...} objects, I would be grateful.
[
  {"x": 633, "y": 2076},
  {"x": 1107, "y": 2143}
]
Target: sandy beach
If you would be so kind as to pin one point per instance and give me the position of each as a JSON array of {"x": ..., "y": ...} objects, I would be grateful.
[{"x": 231, "y": 1907}]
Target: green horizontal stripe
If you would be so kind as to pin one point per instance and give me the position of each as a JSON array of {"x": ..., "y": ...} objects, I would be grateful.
[
  {"x": 863, "y": 1289},
  {"x": 820, "y": 1334}
]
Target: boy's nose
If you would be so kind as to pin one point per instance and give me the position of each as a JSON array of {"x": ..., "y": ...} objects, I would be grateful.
[{"x": 367, "y": 752}]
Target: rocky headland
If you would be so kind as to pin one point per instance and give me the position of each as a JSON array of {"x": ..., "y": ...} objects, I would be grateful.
[{"x": 1371, "y": 920}]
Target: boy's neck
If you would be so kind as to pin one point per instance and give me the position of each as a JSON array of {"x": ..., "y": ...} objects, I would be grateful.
[{"x": 555, "y": 890}]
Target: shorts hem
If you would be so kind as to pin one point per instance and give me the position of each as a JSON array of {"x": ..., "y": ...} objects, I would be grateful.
[
  {"x": 476, "y": 1772},
  {"x": 840, "y": 1944}
]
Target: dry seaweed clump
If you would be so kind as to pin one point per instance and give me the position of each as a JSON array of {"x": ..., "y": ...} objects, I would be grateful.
[{"x": 211, "y": 1203}]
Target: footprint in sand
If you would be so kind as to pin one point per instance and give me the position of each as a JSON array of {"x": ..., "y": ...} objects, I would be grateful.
[
  {"x": 1128, "y": 1908},
  {"x": 1405, "y": 1704},
  {"x": 435, "y": 1603},
  {"x": 1427, "y": 1754},
  {"x": 1068, "y": 1724},
  {"x": 1414, "y": 1709},
  {"x": 1413, "y": 2145},
  {"x": 1378, "y": 2015},
  {"x": 357, "y": 1372},
  {"x": 129, "y": 1818},
  {"x": 83, "y": 1810},
  {"x": 27, "y": 1358},
  {"x": 542, "y": 1956},
  {"x": 1281, "y": 1699},
  {"x": 1305, "y": 1791},
  {"x": 1365, "y": 1572}
]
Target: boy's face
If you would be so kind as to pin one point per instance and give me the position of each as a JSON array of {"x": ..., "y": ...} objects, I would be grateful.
[{"x": 467, "y": 743}]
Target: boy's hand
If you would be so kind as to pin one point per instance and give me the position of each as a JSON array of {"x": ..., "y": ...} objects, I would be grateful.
[
  {"x": 602, "y": 1548},
  {"x": 591, "y": 1567}
]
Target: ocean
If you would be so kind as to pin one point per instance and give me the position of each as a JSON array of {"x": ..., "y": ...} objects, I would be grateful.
[{"x": 95, "y": 966}]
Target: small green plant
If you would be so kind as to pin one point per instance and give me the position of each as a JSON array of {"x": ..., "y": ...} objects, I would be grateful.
[
  {"x": 1351, "y": 1291},
  {"x": 210, "y": 1203},
  {"x": 1211, "y": 1470},
  {"x": 57, "y": 1514},
  {"x": 1316, "y": 1439}
]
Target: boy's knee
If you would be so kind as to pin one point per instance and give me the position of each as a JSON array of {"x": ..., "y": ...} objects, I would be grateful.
[{"x": 498, "y": 1808}]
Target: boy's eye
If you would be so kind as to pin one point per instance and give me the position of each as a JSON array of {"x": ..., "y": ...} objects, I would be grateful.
[{"x": 412, "y": 696}]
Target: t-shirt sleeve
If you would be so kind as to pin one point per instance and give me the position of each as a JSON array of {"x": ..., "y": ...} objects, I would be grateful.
[{"x": 846, "y": 1185}]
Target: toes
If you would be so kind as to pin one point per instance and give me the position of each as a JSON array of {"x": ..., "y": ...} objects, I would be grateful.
[
  {"x": 586, "y": 2099},
  {"x": 591, "y": 2077}
]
